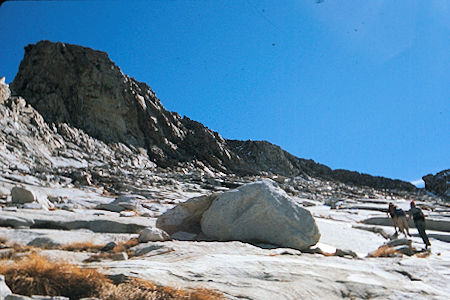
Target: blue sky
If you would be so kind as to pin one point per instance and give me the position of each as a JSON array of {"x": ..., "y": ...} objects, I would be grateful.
[{"x": 359, "y": 85}]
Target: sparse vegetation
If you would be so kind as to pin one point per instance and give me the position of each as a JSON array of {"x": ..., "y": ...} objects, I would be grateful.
[
  {"x": 82, "y": 246},
  {"x": 35, "y": 274},
  {"x": 124, "y": 246},
  {"x": 384, "y": 251}
]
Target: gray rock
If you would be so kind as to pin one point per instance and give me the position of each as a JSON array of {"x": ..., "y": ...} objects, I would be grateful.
[
  {"x": 260, "y": 212},
  {"x": 29, "y": 198},
  {"x": 150, "y": 249},
  {"x": 43, "y": 242},
  {"x": 438, "y": 184},
  {"x": 110, "y": 207},
  {"x": 4, "y": 289},
  {"x": 184, "y": 236},
  {"x": 151, "y": 234},
  {"x": 120, "y": 256},
  {"x": 109, "y": 246},
  {"x": 22, "y": 195},
  {"x": 16, "y": 222},
  {"x": 4, "y": 90},
  {"x": 17, "y": 297},
  {"x": 185, "y": 216},
  {"x": 398, "y": 242}
]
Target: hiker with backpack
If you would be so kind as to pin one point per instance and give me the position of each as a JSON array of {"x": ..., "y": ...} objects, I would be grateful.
[
  {"x": 419, "y": 220},
  {"x": 398, "y": 219}
]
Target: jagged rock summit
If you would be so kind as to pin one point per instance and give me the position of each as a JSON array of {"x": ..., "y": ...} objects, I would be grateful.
[
  {"x": 85, "y": 89},
  {"x": 438, "y": 184}
]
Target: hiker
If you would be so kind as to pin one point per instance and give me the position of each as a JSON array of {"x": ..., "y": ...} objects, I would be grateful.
[
  {"x": 419, "y": 220},
  {"x": 398, "y": 219}
]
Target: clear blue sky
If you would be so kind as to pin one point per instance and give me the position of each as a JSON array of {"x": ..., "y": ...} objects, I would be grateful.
[{"x": 360, "y": 85}]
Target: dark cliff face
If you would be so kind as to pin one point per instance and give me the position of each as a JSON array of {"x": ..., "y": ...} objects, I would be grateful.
[
  {"x": 438, "y": 184},
  {"x": 84, "y": 88}
]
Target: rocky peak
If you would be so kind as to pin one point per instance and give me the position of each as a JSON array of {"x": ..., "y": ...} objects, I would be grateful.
[
  {"x": 84, "y": 88},
  {"x": 438, "y": 184}
]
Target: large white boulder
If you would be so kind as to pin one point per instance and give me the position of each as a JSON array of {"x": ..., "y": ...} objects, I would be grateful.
[{"x": 260, "y": 212}]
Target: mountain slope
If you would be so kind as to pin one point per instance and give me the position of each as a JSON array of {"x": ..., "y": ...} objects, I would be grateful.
[{"x": 83, "y": 88}]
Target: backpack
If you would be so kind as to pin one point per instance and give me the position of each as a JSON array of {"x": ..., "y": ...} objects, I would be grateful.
[{"x": 399, "y": 212}]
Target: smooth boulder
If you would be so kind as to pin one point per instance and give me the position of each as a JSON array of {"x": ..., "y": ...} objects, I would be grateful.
[
  {"x": 260, "y": 212},
  {"x": 22, "y": 195},
  {"x": 151, "y": 234},
  {"x": 30, "y": 198}
]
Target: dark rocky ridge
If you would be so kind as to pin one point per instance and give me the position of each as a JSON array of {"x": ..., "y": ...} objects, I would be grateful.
[
  {"x": 82, "y": 87},
  {"x": 438, "y": 184}
]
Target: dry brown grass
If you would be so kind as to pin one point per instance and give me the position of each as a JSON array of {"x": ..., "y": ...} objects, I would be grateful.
[
  {"x": 138, "y": 289},
  {"x": 124, "y": 246},
  {"x": 384, "y": 251},
  {"x": 37, "y": 275},
  {"x": 82, "y": 246}
]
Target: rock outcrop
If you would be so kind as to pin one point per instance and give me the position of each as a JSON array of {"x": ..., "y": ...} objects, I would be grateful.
[
  {"x": 79, "y": 91},
  {"x": 186, "y": 216},
  {"x": 260, "y": 212},
  {"x": 438, "y": 184}
]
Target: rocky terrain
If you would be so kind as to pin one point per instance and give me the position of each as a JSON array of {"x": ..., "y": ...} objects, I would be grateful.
[
  {"x": 90, "y": 155},
  {"x": 438, "y": 184}
]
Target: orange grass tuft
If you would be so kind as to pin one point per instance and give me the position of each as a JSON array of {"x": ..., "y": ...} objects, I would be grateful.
[
  {"x": 138, "y": 289},
  {"x": 384, "y": 251},
  {"x": 82, "y": 246},
  {"x": 37, "y": 275},
  {"x": 124, "y": 246}
]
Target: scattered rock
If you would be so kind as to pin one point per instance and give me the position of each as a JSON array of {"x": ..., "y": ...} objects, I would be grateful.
[
  {"x": 22, "y": 195},
  {"x": 120, "y": 256},
  {"x": 43, "y": 242},
  {"x": 184, "y": 236},
  {"x": 260, "y": 212},
  {"x": 399, "y": 242},
  {"x": 4, "y": 289},
  {"x": 110, "y": 207},
  {"x": 127, "y": 214},
  {"x": 4, "y": 90},
  {"x": 151, "y": 234},
  {"x": 109, "y": 246},
  {"x": 15, "y": 221},
  {"x": 344, "y": 253},
  {"x": 150, "y": 249},
  {"x": 17, "y": 297}
]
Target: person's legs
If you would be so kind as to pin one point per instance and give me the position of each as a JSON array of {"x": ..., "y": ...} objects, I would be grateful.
[{"x": 420, "y": 224}]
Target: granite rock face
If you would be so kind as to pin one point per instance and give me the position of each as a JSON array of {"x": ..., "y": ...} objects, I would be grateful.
[{"x": 438, "y": 184}]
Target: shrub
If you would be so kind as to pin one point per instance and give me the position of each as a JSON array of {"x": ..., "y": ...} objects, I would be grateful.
[{"x": 37, "y": 275}]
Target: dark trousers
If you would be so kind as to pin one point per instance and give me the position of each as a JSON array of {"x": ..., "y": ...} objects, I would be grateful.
[{"x": 420, "y": 224}]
